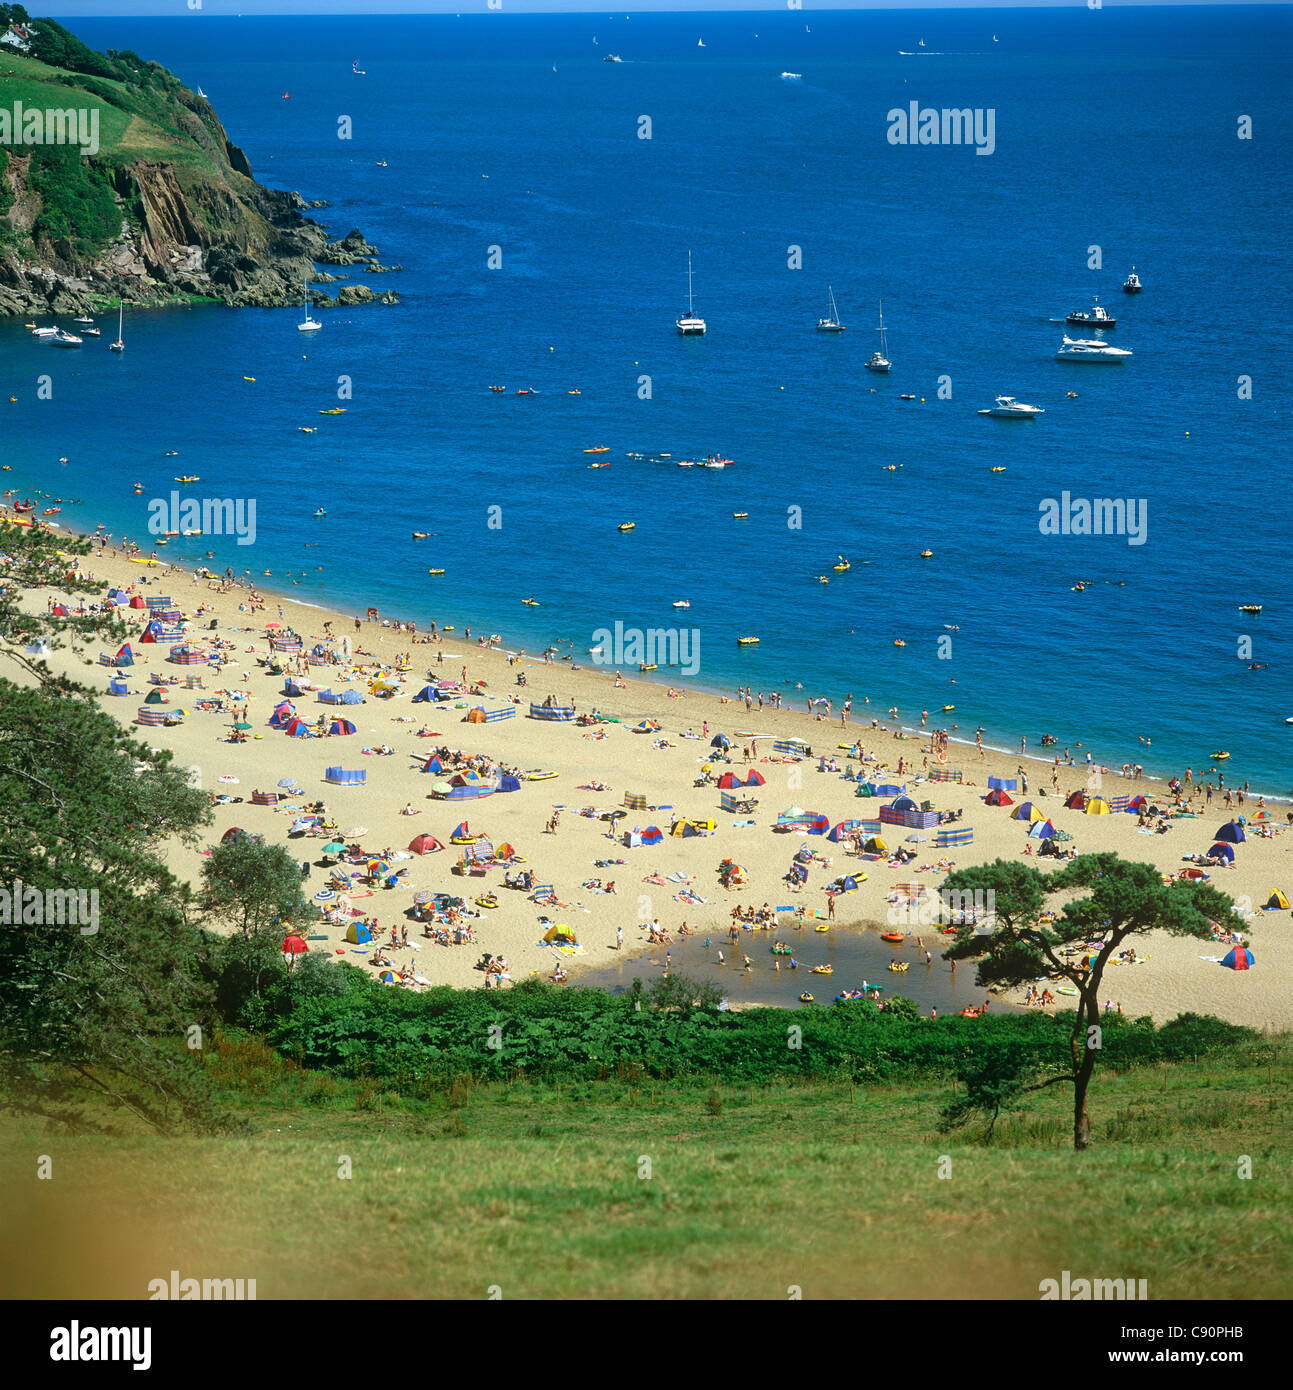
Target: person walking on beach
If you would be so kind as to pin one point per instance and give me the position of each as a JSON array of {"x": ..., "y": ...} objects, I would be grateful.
[
  {"x": 619, "y": 938},
  {"x": 830, "y": 907}
]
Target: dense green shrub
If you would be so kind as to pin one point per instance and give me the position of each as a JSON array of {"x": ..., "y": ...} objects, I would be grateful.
[
  {"x": 77, "y": 206},
  {"x": 550, "y": 1031}
]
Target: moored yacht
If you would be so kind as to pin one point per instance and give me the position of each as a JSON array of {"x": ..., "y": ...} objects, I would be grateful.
[
  {"x": 1090, "y": 350},
  {"x": 310, "y": 323},
  {"x": 879, "y": 360},
  {"x": 690, "y": 324},
  {"x": 831, "y": 323},
  {"x": 1007, "y": 408}
]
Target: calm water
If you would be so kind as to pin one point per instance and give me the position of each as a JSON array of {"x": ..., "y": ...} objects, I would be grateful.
[{"x": 1114, "y": 129}]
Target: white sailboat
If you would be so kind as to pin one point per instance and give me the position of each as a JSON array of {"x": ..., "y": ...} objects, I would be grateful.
[
  {"x": 879, "y": 360},
  {"x": 119, "y": 342},
  {"x": 310, "y": 323},
  {"x": 830, "y": 324},
  {"x": 689, "y": 324}
]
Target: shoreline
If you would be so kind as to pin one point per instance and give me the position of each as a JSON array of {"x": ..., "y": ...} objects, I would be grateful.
[{"x": 1155, "y": 774}]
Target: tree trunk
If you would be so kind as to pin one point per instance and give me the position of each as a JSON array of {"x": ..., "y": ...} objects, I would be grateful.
[{"x": 1088, "y": 1017}]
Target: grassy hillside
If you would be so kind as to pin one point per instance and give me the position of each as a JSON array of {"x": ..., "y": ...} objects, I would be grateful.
[
  {"x": 136, "y": 120},
  {"x": 752, "y": 1189}
]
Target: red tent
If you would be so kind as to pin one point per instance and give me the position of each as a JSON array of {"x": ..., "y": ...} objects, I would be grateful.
[
  {"x": 755, "y": 779},
  {"x": 148, "y": 634},
  {"x": 294, "y": 945},
  {"x": 425, "y": 844},
  {"x": 137, "y": 601},
  {"x": 729, "y": 780},
  {"x": 1239, "y": 958},
  {"x": 996, "y": 797},
  {"x": 1077, "y": 802}
]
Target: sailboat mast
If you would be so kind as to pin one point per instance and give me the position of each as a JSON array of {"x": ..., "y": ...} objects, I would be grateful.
[{"x": 690, "y": 310}]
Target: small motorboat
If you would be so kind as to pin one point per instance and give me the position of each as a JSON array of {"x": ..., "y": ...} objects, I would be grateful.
[
  {"x": 906, "y": 396},
  {"x": 740, "y": 516},
  {"x": 682, "y": 603},
  {"x": 1131, "y": 285},
  {"x": 1250, "y": 608},
  {"x": 92, "y": 332},
  {"x": 926, "y": 554},
  {"x": 892, "y": 936},
  {"x": 1099, "y": 317},
  {"x": 747, "y": 641},
  {"x": 1007, "y": 408},
  {"x": 627, "y": 525}
]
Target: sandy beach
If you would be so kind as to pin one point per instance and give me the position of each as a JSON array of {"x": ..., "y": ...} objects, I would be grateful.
[{"x": 595, "y": 768}]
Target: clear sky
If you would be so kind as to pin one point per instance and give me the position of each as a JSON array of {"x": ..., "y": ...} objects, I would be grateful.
[{"x": 68, "y": 9}]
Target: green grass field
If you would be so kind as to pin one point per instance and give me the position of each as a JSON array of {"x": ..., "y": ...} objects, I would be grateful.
[
  {"x": 128, "y": 128},
  {"x": 541, "y": 1191}
]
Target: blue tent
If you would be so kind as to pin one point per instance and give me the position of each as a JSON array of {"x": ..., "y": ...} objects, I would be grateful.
[
  {"x": 508, "y": 783},
  {"x": 350, "y": 697},
  {"x": 905, "y": 803},
  {"x": 1232, "y": 831},
  {"x": 720, "y": 741},
  {"x": 652, "y": 835},
  {"x": 433, "y": 764},
  {"x": 1239, "y": 958},
  {"x": 1041, "y": 830},
  {"x": 426, "y": 693},
  {"x": 848, "y": 884},
  {"x": 884, "y": 789},
  {"x": 341, "y": 726},
  {"x": 1221, "y": 850}
]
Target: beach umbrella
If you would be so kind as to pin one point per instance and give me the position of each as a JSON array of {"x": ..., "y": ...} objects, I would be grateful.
[
  {"x": 243, "y": 727},
  {"x": 227, "y": 778},
  {"x": 324, "y": 895},
  {"x": 351, "y": 832},
  {"x": 1062, "y": 835},
  {"x": 287, "y": 782},
  {"x": 378, "y": 866},
  {"x": 441, "y": 788},
  {"x": 333, "y": 847},
  {"x": 426, "y": 895},
  {"x": 917, "y": 839}
]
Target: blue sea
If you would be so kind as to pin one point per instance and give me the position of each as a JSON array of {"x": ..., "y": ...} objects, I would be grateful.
[{"x": 1116, "y": 144}]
